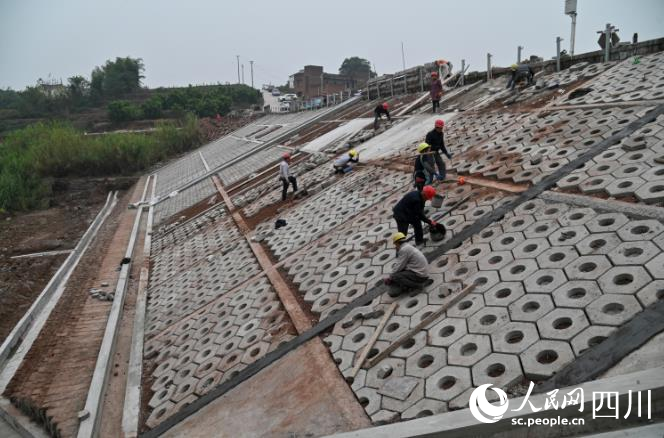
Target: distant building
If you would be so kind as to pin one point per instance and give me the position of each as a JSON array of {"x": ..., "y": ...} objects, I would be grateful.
[{"x": 312, "y": 81}]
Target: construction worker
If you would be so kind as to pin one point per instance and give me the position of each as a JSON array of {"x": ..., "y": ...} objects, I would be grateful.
[
  {"x": 410, "y": 211},
  {"x": 285, "y": 176},
  {"x": 436, "y": 91},
  {"x": 344, "y": 164},
  {"x": 444, "y": 68},
  {"x": 436, "y": 139},
  {"x": 425, "y": 168},
  {"x": 411, "y": 270},
  {"x": 520, "y": 72},
  {"x": 378, "y": 113}
]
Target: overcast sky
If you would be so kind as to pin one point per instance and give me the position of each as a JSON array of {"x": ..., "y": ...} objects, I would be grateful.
[{"x": 196, "y": 41}]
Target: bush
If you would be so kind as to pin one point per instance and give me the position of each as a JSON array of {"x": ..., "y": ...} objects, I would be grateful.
[
  {"x": 151, "y": 108},
  {"x": 29, "y": 156},
  {"x": 123, "y": 111}
]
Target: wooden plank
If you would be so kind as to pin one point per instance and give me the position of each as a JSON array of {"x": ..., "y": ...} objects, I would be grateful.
[
  {"x": 373, "y": 339},
  {"x": 425, "y": 322}
]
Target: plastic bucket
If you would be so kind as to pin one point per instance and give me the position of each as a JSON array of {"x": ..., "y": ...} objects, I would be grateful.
[{"x": 437, "y": 201}]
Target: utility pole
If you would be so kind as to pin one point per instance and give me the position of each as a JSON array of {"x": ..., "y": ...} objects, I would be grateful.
[
  {"x": 558, "y": 40},
  {"x": 238, "y": 68},
  {"x": 518, "y": 54},
  {"x": 243, "y": 74},
  {"x": 463, "y": 69},
  {"x": 489, "y": 76},
  {"x": 403, "y": 57},
  {"x": 251, "y": 63},
  {"x": 571, "y": 41}
]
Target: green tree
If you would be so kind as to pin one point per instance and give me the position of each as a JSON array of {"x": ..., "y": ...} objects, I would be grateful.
[
  {"x": 357, "y": 68},
  {"x": 152, "y": 107},
  {"x": 117, "y": 78},
  {"x": 78, "y": 90},
  {"x": 123, "y": 111}
]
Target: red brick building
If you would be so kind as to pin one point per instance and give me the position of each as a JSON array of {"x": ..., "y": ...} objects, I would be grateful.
[{"x": 313, "y": 82}]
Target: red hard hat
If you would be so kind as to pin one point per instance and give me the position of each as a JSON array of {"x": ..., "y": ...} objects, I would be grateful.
[
  {"x": 429, "y": 192},
  {"x": 385, "y": 106},
  {"x": 440, "y": 123},
  {"x": 434, "y": 74},
  {"x": 285, "y": 155}
]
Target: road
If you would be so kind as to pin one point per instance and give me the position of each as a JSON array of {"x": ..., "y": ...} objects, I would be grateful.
[{"x": 272, "y": 101}]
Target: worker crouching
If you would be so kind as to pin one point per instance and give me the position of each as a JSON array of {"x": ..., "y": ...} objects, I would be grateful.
[
  {"x": 344, "y": 164},
  {"x": 424, "y": 166},
  {"x": 520, "y": 72},
  {"x": 378, "y": 114},
  {"x": 410, "y": 211},
  {"x": 411, "y": 270}
]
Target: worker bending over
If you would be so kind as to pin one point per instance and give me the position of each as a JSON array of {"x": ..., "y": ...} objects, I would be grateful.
[
  {"x": 378, "y": 113},
  {"x": 285, "y": 176},
  {"x": 424, "y": 167},
  {"x": 436, "y": 91},
  {"x": 520, "y": 72},
  {"x": 410, "y": 211},
  {"x": 344, "y": 164},
  {"x": 436, "y": 139},
  {"x": 411, "y": 270}
]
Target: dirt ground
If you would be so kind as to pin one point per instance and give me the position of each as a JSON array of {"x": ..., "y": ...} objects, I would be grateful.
[{"x": 74, "y": 205}]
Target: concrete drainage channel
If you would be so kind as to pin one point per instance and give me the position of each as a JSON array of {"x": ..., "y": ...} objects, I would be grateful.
[
  {"x": 91, "y": 416},
  {"x": 20, "y": 340}
]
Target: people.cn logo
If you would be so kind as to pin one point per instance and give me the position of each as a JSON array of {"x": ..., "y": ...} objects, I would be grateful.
[{"x": 484, "y": 411}]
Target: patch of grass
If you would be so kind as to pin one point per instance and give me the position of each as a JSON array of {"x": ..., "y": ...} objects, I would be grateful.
[{"x": 32, "y": 155}]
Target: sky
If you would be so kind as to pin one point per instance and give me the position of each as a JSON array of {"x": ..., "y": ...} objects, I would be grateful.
[{"x": 196, "y": 42}]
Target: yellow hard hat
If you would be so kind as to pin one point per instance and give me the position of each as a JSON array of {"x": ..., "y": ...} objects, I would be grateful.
[
  {"x": 397, "y": 237},
  {"x": 422, "y": 147},
  {"x": 352, "y": 153},
  {"x": 514, "y": 66}
]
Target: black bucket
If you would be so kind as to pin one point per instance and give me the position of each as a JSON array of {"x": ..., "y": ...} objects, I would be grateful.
[{"x": 437, "y": 233}]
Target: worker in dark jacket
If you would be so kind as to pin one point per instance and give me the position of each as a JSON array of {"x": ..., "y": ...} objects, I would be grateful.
[
  {"x": 436, "y": 139},
  {"x": 436, "y": 91},
  {"x": 378, "y": 113},
  {"x": 520, "y": 72},
  {"x": 425, "y": 168},
  {"x": 410, "y": 211},
  {"x": 411, "y": 270}
]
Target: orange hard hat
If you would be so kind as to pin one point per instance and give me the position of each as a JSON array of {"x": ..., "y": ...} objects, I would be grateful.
[
  {"x": 385, "y": 105},
  {"x": 429, "y": 192},
  {"x": 461, "y": 180},
  {"x": 440, "y": 123}
]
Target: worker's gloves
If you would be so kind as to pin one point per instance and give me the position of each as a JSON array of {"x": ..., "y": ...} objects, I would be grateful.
[
  {"x": 433, "y": 223},
  {"x": 387, "y": 281}
]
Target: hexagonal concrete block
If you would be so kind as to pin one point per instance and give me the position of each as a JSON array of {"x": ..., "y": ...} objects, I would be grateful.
[
  {"x": 576, "y": 216},
  {"x": 652, "y": 293},
  {"x": 409, "y": 305},
  {"x": 369, "y": 399},
  {"x": 507, "y": 241},
  {"x": 591, "y": 336},
  {"x": 656, "y": 267},
  {"x": 557, "y": 257},
  {"x": 412, "y": 345},
  {"x": 624, "y": 186},
  {"x": 393, "y": 404},
  {"x": 568, "y": 235},
  {"x": 467, "y": 306},
  {"x": 501, "y": 370},
  {"x": 483, "y": 280},
  {"x": 384, "y": 370},
  {"x": 530, "y": 307},
  {"x": 595, "y": 184},
  {"x": 518, "y": 223},
  {"x": 613, "y": 309},
  {"x": 531, "y": 248},
  {"x": 495, "y": 260},
  {"x": 541, "y": 229},
  {"x": 544, "y": 358},
  {"x": 633, "y": 253},
  {"x": 474, "y": 252},
  {"x": 518, "y": 270},
  {"x": 651, "y": 192},
  {"x": 460, "y": 271},
  {"x": 576, "y": 294},
  {"x": 394, "y": 328},
  {"x": 514, "y": 337},
  {"x": 487, "y": 320},
  {"x": 598, "y": 244},
  {"x": 469, "y": 350},
  {"x": 447, "y": 331},
  {"x": 424, "y": 408},
  {"x": 562, "y": 324},
  {"x": 624, "y": 280},
  {"x": 447, "y": 383},
  {"x": 640, "y": 230},
  {"x": 606, "y": 222},
  {"x": 544, "y": 281},
  {"x": 357, "y": 338},
  {"x": 426, "y": 361},
  {"x": 587, "y": 267},
  {"x": 504, "y": 293}
]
